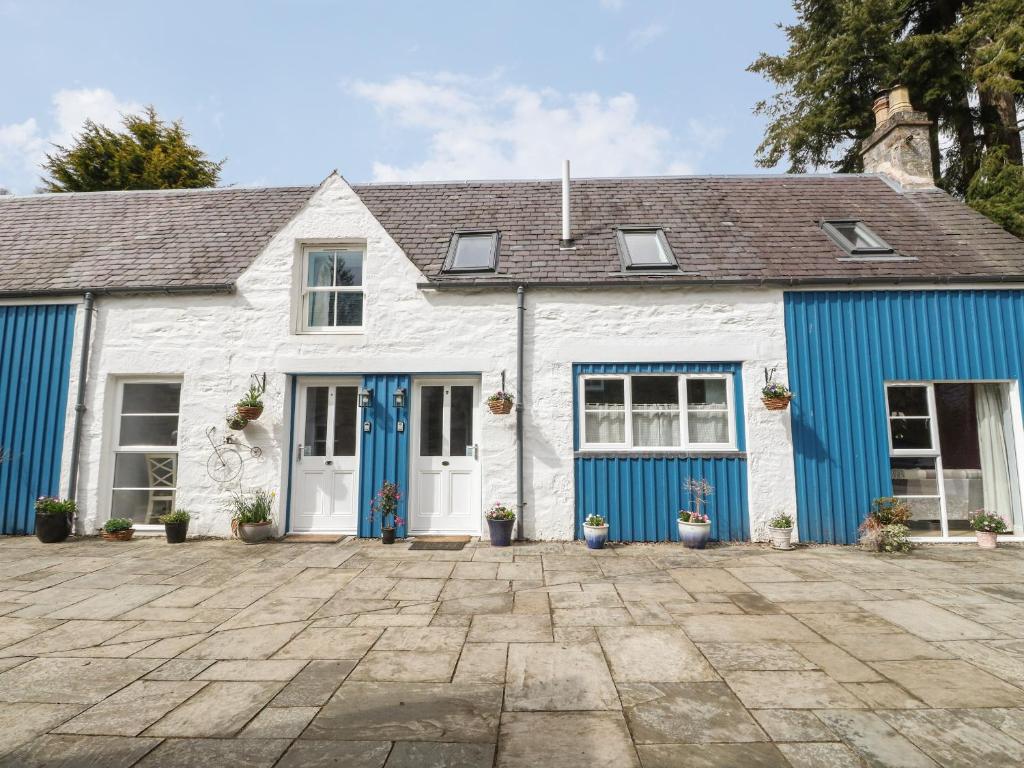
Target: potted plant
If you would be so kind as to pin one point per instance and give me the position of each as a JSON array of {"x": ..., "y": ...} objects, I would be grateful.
[
  {"x": 500, "y": 520},
  {"x": 54, "y": 518},
  {"x": 694, "y": 524},
  {"x": 385, "y": 504},
  {"x": 780, "y": 528},
  {"x": 595, "y": 531},
  {"x": 885, "y": 528},
  {"x": 774, "y": 395},
  {"x": 118, "y": 529},
  {"x": 250, "y": 407},
  {"x": 250, "y": 515},
  {"x": 987, "y": 526},
  {"x": 501, "y": 402},
  {"x": 176, "y": 526},
  {"x": 237, "y": 422}
]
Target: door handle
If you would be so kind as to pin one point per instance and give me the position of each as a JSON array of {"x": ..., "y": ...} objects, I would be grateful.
[
  {"x": 328, "y": 462},
  {"x": 444, "y": 463},
  {"x": 476, "y": 451}
]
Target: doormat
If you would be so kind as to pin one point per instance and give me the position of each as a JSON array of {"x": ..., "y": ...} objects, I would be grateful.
[
  {"x": 313, "y": 538},
  {"x": 448, "y": 543}
]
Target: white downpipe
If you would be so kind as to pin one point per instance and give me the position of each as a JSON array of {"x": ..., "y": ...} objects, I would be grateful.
[{"x": 566, "y": 207}]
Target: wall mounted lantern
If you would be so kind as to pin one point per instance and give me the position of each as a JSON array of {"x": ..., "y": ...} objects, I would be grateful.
[
  {"x": 399, "y": 397},
  {"x": 365, "y": 398}
]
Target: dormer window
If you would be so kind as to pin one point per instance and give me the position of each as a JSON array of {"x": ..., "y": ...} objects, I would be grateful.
[
  {"x": 644, "y": 248},
  {"x": 472, "y": 252},
  {"x": 856, "y": 239}
]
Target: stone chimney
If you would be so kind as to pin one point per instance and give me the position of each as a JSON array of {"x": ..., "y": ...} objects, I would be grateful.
[{"x": 901, "y": 146}]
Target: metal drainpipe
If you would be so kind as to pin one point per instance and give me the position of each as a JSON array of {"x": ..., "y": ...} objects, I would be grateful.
[
  {"x": 83, "y": 372},
  {"x": 520, "y": 315}
]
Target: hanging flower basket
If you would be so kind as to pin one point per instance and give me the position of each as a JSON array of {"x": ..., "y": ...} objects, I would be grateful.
[
  {"x": 501, "y": 403},
  {"x": 777, "y": 403},
  {"x": 237, "y": 422},
  {"x": 774, "y": 395},
  {"x": 249, "y": 412}
]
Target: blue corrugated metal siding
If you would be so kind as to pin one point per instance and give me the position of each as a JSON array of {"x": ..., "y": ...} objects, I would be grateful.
[
  {"x": 843, "y": 346},
  {"x": 35, "y": 356},
  {"x": 641, "y": 495},
  {"x": 385, "y": 450}
]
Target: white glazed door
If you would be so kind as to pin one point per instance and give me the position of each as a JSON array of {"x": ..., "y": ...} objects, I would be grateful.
[
  {"x": 446, "y": 467},
  {"x": 325, "y": 474}
]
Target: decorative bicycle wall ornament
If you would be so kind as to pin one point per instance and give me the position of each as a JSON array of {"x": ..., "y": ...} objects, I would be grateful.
[{"x": 227, "y": 462}]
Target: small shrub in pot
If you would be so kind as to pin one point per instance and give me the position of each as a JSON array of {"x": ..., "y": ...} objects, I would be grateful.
[
  {"x": 693, "y": 524},
  {"x": 176, "y": 526},
  {"x": 250, "y": 407},
  {"x": 251, "y": 515},
  {"x": 885, "y": 528},
  {"x": 500, "y": 520},
  {"x": 780, "y": 528},
  {"x": 987, "y": 526},
  {"x": 385, "y": 505},
  {"x": 595, "y": 531},
  {"x": 118, "y": 529},
  {"x": 54, "y": 518}
]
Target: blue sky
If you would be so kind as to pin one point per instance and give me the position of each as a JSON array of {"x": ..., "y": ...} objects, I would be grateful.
[{"x": 288, "y": 91}]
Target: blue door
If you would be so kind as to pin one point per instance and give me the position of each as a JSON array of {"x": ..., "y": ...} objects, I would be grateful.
[{"x": 35, "y": 357}]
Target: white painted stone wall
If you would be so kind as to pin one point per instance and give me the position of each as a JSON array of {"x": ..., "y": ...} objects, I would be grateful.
[{"x": 214, "y": 342}]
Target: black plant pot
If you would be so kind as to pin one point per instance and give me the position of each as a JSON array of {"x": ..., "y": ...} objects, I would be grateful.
[
  {"x": 387, "y": 535},
  {"x": 501, "y": 532},
  {"x": 51, "y": 529},
  {"x": 176, "y": 532}
]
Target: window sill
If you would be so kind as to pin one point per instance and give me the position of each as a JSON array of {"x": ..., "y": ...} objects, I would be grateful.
[
  {"x": 353, "y": 331},
  {"x": 644, "y": 453}
]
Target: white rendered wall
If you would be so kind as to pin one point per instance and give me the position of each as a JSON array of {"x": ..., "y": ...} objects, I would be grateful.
[{"x": 216, "y": 341}]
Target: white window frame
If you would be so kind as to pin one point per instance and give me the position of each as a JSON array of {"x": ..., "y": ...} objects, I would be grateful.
[
  {"x": 685, "y": 446},
  {"x": 304, "y": 289},
  {"x": 116, "y": 448}
]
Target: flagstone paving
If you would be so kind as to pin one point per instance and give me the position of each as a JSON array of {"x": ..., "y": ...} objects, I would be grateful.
[{"x": 143, "y": 654}]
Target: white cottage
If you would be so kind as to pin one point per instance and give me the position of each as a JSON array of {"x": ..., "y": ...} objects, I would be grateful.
[{"x": 634, "y": 320}]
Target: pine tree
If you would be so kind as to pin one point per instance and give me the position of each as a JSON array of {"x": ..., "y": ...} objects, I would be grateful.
[
  {"x": 147, "y": 154},
  {"x": 997, "y": 191}
]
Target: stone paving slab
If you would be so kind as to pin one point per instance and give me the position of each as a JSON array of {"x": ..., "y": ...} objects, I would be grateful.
[{"x": 362, "y": 655}]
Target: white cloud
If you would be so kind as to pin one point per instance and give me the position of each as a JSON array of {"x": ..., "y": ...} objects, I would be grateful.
[
  {"x": 23, "y": 145},
  {"x": 599, "y": 55},
  {"x": 488, "y": 129},
  {"x": 641, "y": 37}
]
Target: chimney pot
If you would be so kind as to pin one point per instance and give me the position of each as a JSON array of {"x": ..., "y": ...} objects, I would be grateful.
[
  {"x": 881, "y": 109},
  {"x": 900, "y": 146},
  {"x": 899, "y": 100}
]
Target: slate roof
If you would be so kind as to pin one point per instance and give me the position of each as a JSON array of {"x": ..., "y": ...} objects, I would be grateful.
[
  {"x": 176, "y": 239},
  {"x": 739, "y": 228}
]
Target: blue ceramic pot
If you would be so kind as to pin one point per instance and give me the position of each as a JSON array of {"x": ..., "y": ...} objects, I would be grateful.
[
  {"x": 694, "y": 535},
  {"x": 501, "y": 532},
  {"x": 596, "y": 536}
]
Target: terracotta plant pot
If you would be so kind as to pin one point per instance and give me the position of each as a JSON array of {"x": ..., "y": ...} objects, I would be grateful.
[
  {"x": 387, "y": 535},
  {"x": 254, "y": 533},
  {"x": 987, "y": 539},
  {"x": 118, "y": 535},
  {"x": 694, "y": 535},
  {"x": 776, "y": 403},
  {"x": 500, "y": 407},
  {"x": 596, "y": 535},
  {"x": 782, "y": 538},
  {"x": 500, "y": 532},
  {"x": 249, "y": 413},
  {"x": 51, "y": 529}
]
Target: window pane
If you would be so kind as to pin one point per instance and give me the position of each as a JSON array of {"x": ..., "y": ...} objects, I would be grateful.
[
  {"x": 474, "y": 252},
  {"x": 144, "y": 507},
  {"x": 914, "y": 476},
  {"x": 348, "y": 268},
  {"x": 149, "y": 430},
  {"x": 145, "y": 470},
  {"x": 925, "y": 516},
  {"x": 708, "y": 426},
  {"x": 645, "y": 248},
  {"x": 314, "y": 441},
  {"x": 655, "y": 410},
  {"x": 321, "y": 269},
  {"x": 151, "y": 398},
  {"x": 605, "y": 426},
  {"x": 320, "y": 308},
  {"x": 706, "y": 394},
  {"x": 461, "y": 426},
  {"x": 602, "y": 393},
  {"x": 350, "y": 309},
  {"x": 911, "y": 433},
  {"x": 345, "y": 421},
  {"x": 432, "y": 421},
  {"x": 908, "y": 401}
]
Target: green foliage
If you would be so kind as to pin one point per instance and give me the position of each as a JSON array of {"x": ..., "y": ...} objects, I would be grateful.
[
  {"x": 890, "y": 510},
  {"x": 116, "y": 524},
  {"x": 987, "y": 521},
  {"x": 781, "y": 521},
  {"x": 595, "y": 521},
  {"x": 253, "y": 398},
  {"x": 997, "y": 191},
  {"x": 962, "y": 61},
  {"x": 885, "y": 528},
  {"x": 49, "y": 505},
  {"x": 252, "y": 507},
  {"x": 176, "y": 517},
  {"x": 147, "y": 154},
  {"x": 499, "y": 511}
]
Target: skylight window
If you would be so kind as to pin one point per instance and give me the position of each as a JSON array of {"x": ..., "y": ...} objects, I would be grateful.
[
  {"x": 472, "y": 252},
  {"x": 855, "y": 238},
  {"x": 645, "y": 249}
]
